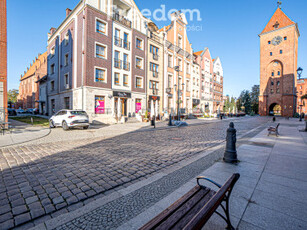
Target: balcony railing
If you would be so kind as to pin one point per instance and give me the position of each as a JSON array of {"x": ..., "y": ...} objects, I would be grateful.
[
  {"x": 126, "y": 45},
  {"x": 155, "y": 74},
  {"x": 126, "y": 65},
  {"x": 117, "y": 63},
  {"x": 118, "y": 41},
  {"x": 122, "y": 19},
  {"x": 155, "y": 56}
]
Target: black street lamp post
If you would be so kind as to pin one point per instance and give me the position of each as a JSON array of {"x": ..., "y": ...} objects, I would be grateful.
[{"x": 299, "y": 72}]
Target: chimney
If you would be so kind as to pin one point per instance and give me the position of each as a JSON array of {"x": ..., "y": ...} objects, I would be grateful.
[{"x": 68, "y": 11}]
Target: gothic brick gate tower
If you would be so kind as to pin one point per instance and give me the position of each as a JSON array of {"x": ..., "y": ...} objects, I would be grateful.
[{"x": 278, "y": 65}]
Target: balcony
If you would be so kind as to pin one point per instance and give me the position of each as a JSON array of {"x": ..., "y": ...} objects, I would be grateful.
[
  {"x": 118, "y": 41},
  {"x": 126, "y": 45},
  {"x": 121, "y": 19},
  {"x": 155, "y": 57},
  {"x": 117, "y": 63},
  {"x": 126, "y": 65},
  {"x": 155, "y": 74}
]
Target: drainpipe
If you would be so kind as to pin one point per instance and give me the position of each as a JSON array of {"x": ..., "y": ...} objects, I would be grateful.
[{"x": 82, "y": 64}]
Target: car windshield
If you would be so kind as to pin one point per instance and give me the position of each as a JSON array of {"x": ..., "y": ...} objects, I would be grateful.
[{"x": 78, "y": 113}]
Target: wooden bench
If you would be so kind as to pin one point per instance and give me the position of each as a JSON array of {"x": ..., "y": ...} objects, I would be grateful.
[
  {"x": 272, "y": 129},
  {"x": 193, "y": 210}
]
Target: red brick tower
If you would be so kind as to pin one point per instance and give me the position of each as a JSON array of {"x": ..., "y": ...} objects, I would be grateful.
[
  {"x": 278, "y": 64},
  {"x": 3, "y": 60}
]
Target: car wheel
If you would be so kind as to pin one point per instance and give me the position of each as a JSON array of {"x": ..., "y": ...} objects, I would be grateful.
[
  {"x": 65, "y": 126},
  {"x": 51, "y": 125},
  {"x": 85, "y": 127}
]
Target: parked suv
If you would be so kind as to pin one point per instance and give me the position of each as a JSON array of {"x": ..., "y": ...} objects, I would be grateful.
[{"x": 69, "y": 118}]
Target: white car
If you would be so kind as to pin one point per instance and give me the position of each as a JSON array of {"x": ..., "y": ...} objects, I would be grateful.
[{"x": 69, "y": 118}]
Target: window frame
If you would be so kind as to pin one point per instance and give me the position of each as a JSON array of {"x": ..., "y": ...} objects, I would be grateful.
[
  {"x": 142, "y": 62},
  {"x": 117, "y": 82},
  {"x": 142, "y": 43},
  {"x": 142, "y": 82},
  {"x": 105, "y": 74},
  {"x": 66, "y": 75},
  {"x": 66, "y": 61},
  {"x": 103, "y": 22},
  {"x": 105, "y": 50}
]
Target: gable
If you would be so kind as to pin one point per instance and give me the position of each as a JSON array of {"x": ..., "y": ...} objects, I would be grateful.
[{"x": 279, "y": 20}]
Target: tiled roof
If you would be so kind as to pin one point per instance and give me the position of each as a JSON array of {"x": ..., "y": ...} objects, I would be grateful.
[
  {"x": 278, "y": 17},
  {"x": 198, "y": 53},
  {"x": 37, "y": 64}
]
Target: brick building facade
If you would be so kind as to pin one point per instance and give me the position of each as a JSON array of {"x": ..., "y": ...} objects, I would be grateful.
[
  {"x": 28, "y": 96},
  {"x": 278, "y": 65},
  {"x": 301, "y": 91},
  {"x": 3, "y": 61}
]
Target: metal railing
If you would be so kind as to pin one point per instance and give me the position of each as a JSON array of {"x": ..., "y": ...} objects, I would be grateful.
[
  {"x": 118, "y": 41},
  {"x": 126, "y": 65},
  {"x": 121, "y": 19},
  {"x": 126, "y": 45},
  {"x": 117, "y": 63},
  {"x": 155, "y": 74}
]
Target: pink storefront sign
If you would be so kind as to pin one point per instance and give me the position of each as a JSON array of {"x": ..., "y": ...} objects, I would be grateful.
[
  {"x": 138, "y": 107},
  {"x": 99, "y": 107}
]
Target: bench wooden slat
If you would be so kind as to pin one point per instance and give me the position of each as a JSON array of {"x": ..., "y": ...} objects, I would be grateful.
[
  {"x": 206, "y": 212},
  {"x": 187, "y": 218},
  {"x": 186, "y": 206},
  {"x": 163, "y": 215}
]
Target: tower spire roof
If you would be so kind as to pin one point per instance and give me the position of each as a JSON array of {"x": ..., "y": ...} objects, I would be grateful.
[{"x": 277, "y": 21}]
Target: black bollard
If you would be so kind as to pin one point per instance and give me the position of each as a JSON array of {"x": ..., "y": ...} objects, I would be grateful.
[
  {"x": 300, "y": 117},
  {"x": 221, "y": 117},
  {"x": 230, "y": 155},
  {"x": 170, "y": 120},
  {"x": 274, "y": 119}
]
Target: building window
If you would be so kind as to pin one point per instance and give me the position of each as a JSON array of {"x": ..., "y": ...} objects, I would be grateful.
[
  {"x": 125, "y": 80},
  {"x": 117, "y": 39},
  {"x": 66, "y": 60},
  {"x": 53, "y": 106},
  {"x": 272, "y": 91},
  {"x": 66, "y": 102},
  {"x": 116, "y": 78},
  {"x": 278, "y": 73},
  {"x": 170, "y": 61},
  {"x": 66, "y": 39},
  {"x": 180, "y": 41},
  {"x": 170, "y": 77},
  {"x": 188, "y": 68},
  {"x": 101, "y": 27},
  {"x": 126, "y": 42},
  {"x": 52, "y": 69},
  {"x": 180, "y": 64},
  {"x": 277, "y": 90},
  {"x": 100, "y": 75},
  {"x": 139, "y": 44},
  {"x": 138, "y": 105},
  {"x": 273, "y": 74},
  {"x": 188, "y": 86},
  {"x": 52, "y": 51},
  {"x": 117, "y": 61},
  {"x": 280, "y": 51},
  {"x": 139, "y": 63},
  {"x": 271, "y": 54},
  {"x": 126, "y": 64},
  {"x": 285, "y": 38},
  {"x": 139, "y": 82},
  {"x": 66, "y": 80},
  {"x": 100, "y": 51},
  {"x": 269, "y": 42},
  {"x": 272, "y": 82},
  {"x": 99, "y": 105},
  {"x": 52, "y": 85},
  {"x": 278, "y": 83},
  {"x": 154, "y": 68}
]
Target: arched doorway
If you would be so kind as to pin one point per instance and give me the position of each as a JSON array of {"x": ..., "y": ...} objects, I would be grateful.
[{"x": 275, "y": 109}]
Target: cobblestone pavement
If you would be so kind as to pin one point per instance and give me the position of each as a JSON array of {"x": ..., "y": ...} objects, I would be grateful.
[{"x": 38, "y": 180}]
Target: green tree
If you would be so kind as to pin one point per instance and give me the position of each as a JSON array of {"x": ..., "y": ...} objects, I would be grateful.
[
  {"x": 12, "y": 95},
  {"x": 244, "y": 102},
  {"x": 254, "y": 95}
]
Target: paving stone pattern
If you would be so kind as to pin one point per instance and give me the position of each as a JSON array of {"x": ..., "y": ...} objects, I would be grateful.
[{"x": 37, "y": 180}]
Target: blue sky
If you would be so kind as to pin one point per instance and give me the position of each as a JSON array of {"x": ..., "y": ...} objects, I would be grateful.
[{"x": 229, "y": 28}]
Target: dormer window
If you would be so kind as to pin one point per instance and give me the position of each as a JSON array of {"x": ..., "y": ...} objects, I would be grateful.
[{"x": 276, "y": 25}]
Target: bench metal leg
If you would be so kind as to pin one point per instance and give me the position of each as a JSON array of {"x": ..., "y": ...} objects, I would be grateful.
[{"x": 226, "y": 211}]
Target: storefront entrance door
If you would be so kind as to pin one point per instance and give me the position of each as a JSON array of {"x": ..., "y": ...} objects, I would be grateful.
[{"x": 124, "y": 106}]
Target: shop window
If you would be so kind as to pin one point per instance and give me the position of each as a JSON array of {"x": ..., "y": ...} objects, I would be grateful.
[{"x": 99, "y": 105}]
